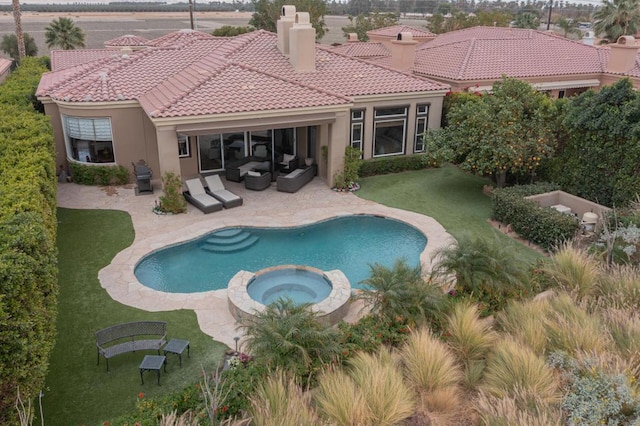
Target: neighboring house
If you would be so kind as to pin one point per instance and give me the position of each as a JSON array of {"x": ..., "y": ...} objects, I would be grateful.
[
  {"x": 192, "y": 103},
  {"x": 5, "y": 68},
  {"x": 473, "y": 59}
]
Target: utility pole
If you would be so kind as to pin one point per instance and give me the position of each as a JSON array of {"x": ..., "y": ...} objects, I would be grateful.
[
  {"x": 549, "y": 18},
  {"x": 191, "y": 13}
]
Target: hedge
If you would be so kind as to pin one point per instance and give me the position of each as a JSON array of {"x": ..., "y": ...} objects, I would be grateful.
[
  {"x": 28, "y": 269},
  {"x": 380, "y": 166},
  {"x": 540, "y": 225},
  {"x": 99, "y": 175}
]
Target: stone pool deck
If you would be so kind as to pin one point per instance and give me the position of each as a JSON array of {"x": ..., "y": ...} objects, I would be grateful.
[{"x": 267, "y": 208}]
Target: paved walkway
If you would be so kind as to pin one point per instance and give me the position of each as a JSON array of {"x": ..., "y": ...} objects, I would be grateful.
[{"x": 267, "y": 208}]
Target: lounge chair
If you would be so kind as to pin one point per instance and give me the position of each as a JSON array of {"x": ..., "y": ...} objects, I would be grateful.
[
  {"x": 216, "y": 189},
  {"x": 197, "y": 196}
]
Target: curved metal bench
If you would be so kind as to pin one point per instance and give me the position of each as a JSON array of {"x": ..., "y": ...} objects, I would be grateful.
[{"x": 126, "y": 337}]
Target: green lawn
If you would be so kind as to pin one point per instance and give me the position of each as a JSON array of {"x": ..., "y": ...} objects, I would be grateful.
[
  {"x": 77, "y": 390},
  {"x": 447, "y": 194}
]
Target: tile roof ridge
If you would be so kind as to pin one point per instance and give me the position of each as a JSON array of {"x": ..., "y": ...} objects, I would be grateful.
[
  {"x": 72, "y": 73},
  {"x": 292, "y": 81},
  {"x": 465, "y": 61},
  {"x": 240, "y": 41}
]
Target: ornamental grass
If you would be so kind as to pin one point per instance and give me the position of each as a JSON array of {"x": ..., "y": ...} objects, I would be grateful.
[
  {"x": 428, "y": 363},
  {"x": 521, "y": 408},
  {"x": 624, "y": 329},
  {"x": 280, "y": 402},
  {"x": 469, "y": 337},
  {"x": 380, "y": 381},
  {"x": 525, "y": 322},
  {"x": 619, "y": 288},
  {"x": 573, "y": 271},
  {"x": 512, "y": 368},
  {"x": 339, "y": 400},
  {"x": 571, "y": 328}
]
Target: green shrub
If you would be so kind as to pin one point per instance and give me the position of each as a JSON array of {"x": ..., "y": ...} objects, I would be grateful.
[
  {"x": 380, "y": 166},
  {"x": 540, "y": 225},
  {"x": 28, "y": 271},
  {"x": 99, "y": 175},
  {"x": 348, "y": 178},
  {"x": 370, "y": 332},
  {"x": 172, "y": 201}
]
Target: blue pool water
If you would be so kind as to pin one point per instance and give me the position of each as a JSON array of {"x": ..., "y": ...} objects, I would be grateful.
[
  {"x": 299, "y": 285},
  {"x": 348, "y": 243}
]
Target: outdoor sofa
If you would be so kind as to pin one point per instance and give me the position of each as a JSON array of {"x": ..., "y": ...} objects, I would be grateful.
[
  {"x": 216, "y": 189},
  {"x": 295, "y": 180},
  {"x": 197, "y": 196},
  {"x": 236, "y": 171}
]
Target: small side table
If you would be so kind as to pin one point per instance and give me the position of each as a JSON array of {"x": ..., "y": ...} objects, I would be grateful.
[
  {"x": 177, "y": 346},
  {"x": 151, "y": 363}
]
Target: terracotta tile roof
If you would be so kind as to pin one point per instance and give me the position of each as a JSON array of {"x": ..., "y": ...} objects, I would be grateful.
[
  {"x": 394, "y": 30},
  {"x": 5, "y": 64},
  {"x": 189, "y": 73},
  {"x": 633, "y": 72},
  {"x": 61, "y": 59},
  {"x": 126, "y": 40},
  {"x": 362, "y": 50},
  {"x": 489, "y": 52}
]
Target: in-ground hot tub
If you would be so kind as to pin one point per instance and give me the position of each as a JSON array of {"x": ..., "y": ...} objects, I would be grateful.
[{"x": 327, "y": 291}]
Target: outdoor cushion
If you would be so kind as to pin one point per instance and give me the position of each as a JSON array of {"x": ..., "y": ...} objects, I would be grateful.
[
  {"x": 216, "y": 189},
  {"x": 252, "y": 173},
  {"x": 286, "y": 158},
  {"x": 195, "y": 187},
  {"x": 294, "y": 173}
]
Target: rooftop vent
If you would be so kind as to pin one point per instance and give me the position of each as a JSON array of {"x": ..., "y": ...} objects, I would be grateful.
[{"x": 283, "y": 26}]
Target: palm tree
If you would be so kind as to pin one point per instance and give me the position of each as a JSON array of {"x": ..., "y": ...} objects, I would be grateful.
[
  {"x": 617, "y": 18},
  {"x": 17, "y": 17},
  {"x": 485, "y": 269},
  {"x": 64, "y": 34},
  {"x": 567, "y": 27},
  {"x": 290, "y": 336},
  {"x": 401, "y": 292}
]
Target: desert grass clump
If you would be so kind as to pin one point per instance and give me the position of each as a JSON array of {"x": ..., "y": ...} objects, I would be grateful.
[
  {"x": 520, "y": 408},
  {"x": 619, "y": 288},
  {"x": 573, "y": 271},
  {"x": 469, "y": 337},
  {"x": 525, "y": 322},
  {"x": 624, "y": 329},
  {"x": 280, "y": 402},
  {"x": 571, "y": 328},
  {"x": 379, "y": 379},
  {"x": 512, "y": 367},
  {"x": 339, "y": 400}
]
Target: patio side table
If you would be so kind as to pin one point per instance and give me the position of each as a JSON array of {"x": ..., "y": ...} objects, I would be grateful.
[
  {"x": 153, "y": 363},
  {"x": 177, "y": 346}
]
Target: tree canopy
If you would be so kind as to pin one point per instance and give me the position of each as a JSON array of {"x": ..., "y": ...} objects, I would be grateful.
[
  {"x": 267, "y": 13},
  {"x": 599, "y": 148},
  {"x": 363, "y": 23},
  {"x": 231, "y": 31},
  {"x": 617, "y": 18},
  {"x": 63, "y": 33},
  {"x": 506, "y": 132},
  {"x": 9, "y": 45}
]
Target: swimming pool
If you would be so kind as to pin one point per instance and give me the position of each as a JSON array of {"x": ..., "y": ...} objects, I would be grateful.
[{"x": 347, "y": 243}]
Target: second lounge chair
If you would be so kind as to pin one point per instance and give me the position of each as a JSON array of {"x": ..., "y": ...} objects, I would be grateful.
[{"x": 216, "y": 188}]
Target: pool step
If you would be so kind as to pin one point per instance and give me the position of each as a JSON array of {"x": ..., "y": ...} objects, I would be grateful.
[{"x": 229, "y": 241}]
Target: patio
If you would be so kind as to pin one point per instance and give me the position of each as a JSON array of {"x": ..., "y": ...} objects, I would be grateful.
[{"x": 312, "y": 203}]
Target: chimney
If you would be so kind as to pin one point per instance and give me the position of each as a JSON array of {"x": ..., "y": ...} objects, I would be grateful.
[
  {"x": 588, "y": 38},
  {"x": 282, "y": 27},
  {"x": 302, "y": 43},
  {"x": 403, "y": 52},
  {"x": 622, "y": 57},
  {"x": 352, "y": 38}
]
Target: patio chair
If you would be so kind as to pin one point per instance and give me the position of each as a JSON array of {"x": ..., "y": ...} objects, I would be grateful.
[
  {"x": 197, "y": 196},
  {"x": 216, "y": 189}
]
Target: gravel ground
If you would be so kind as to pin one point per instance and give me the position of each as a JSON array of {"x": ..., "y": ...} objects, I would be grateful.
[{"x": 102, "y": 27}]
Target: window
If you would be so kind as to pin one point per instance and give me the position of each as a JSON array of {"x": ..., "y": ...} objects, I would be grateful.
[
  {"x": 561, "y": 94},
  {"x": 357, "y": 128},
  {"x": 422, "y": 120},
  {"x": 183, "y": 146},
  {"x": 389, "y": 129},
  {"x": 88, "y": 140}
]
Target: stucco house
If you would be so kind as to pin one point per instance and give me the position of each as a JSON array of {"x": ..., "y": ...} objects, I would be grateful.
[
  {"x": 5, "y": 68},
  {"x": 473, "y": 59},
  {"x": 192, "y": 103}
]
